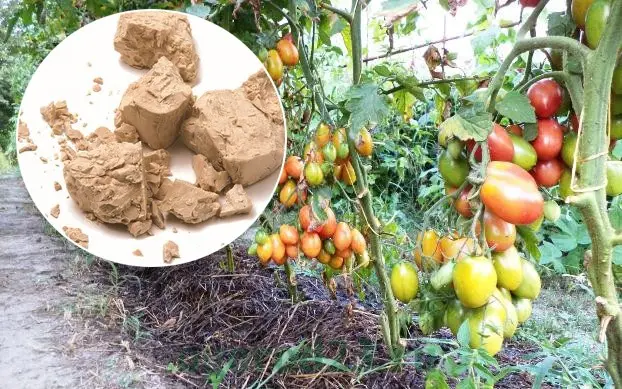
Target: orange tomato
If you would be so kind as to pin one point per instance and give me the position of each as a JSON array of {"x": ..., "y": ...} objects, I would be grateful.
[
  {"x": 457, "y": 248},
  {"x": 294, "y": 166},
  {"x": 337, "y": 171},
  {"x": 291, "y": 251},
  {"x": 311, "y": 244},
  {"x": 345, "y": 253},
  {"x": 358, "y": 242},
  {"x": 427, "y": 246},
  {"x": 274, "y": 65},
  {"x": 364, "y": 144},
  {"x": 304, "y": 216},
  {"x": 328, "y": 228},
  {"x": 282, "y": 177},
  {"x": 322, "y": 135},
  {"x": 348, "y": 176},
  {"x": 288, "y": 52},
  {"x": 264, "y": 252},
  {"x": 288, "y": 196},
  {"x": 336, "y": 262},
  {"x": 500, "y": 235},
  {"x": 343, "y": 236},
  {"x": 312, "y": 153},
  {"x": 323, "y": 257},
  {"x": 278, "y": 249},
  {"x": 288, "y": 234}
]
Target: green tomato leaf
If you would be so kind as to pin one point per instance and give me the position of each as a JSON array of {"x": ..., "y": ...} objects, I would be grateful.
[
  {"x": 366, "y": 106},
  {"x": 530, "y": 131},
  {"x": 516, "y": 107},
  {"x": 471, "y": 122},
  {"x": 560, "y": 24},
  {"x": 531, "y": 241},
  {"x": 347, "y": 41},
  {"x": 404, "y": 102},
  {"x": 464, "y": 335},
  {"x": 435, "y": 379},
  {"x": 383, "y": 70},
  {"x": 433, "y": 350}
]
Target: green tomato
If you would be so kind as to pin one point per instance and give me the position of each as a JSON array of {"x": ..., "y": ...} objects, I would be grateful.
[
  {"x": 616, "y": 127},
  {"x": 454, "y": 148},
  {"x": 261, "y": 237},
  {"x": 595, "y": 21},
  {"x": 329, "y": 246},
  {"x": 523, "y": 308},
  {"x": 564, "y": 184},
  {"x": 552, "y": 211},
  {"x": 616, "y": 82},
  {"x": 262, "y": 54},
  {"x": 252, "y": 250},
  {"x": 343, "y": 151},
  {"x": 568, "y": 148},
  {"x": 454, "y": 316},
  {"x": 616, "y": 105},
  {"x": 614, "y": 178},
  {"x": 330, "y": 152},
  {"x": 454, "y": 171},
  {"x": 524, "y": 154}
]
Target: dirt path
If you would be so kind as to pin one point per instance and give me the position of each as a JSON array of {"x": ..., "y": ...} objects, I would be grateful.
[{"x": 43, "y": 343}]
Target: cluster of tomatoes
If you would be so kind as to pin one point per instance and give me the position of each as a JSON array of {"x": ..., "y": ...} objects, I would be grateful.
[
  {"x": 284, "y": 54},
  {"x": 332, "y": 243},
  {"x": 323, "y": 238}
]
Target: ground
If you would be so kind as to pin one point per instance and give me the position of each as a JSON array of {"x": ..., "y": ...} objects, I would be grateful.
[{"x": 68, "y": 320}]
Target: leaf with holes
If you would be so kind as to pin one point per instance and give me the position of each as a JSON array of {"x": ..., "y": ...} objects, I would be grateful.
[
  {"x": 471, "y": 122},
  {"x": 516, "y": 107}
]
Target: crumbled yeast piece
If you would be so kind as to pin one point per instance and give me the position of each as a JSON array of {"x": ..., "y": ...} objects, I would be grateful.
[
  {"x": 137, "y": 253},
  {"x": 236, "y": 202},
  {"x": 189, "y": 203},
  {"x": 57, "y": 186},
  {"x": 55, "y": 211},
  {"x": 27, "y": 147},
  {"x": 156, "y": 104},
  {"x": 23, "y": 133},
  {"x": 139, "y": 227},
  {"x": 235, "y": 136},
  {"x": 99, "y": 136},
  {"x": 156, "y": 215},
  {"x": 209, "y": 178},
  {"x": 157, "y": 167},
  {"x": 260, "y": 91},
  {"x": 170, "y": 251},
  {"x": 76, "y": 235},
  {"x": 108, "y": 182},
  {"x": 43, "y": 159},
  {"x": 143, "y": 37},
  {"x": 126, "y": 133},
  {"x": 58, "y": 117},
  {"x": 97, "y": 88},
  {"x": 98, "y": 80}
]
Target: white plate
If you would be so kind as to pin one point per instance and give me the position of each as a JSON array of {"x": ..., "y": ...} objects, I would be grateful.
[{"x": 67, "y": 73}]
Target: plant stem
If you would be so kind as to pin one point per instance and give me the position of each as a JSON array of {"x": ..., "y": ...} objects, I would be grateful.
[
  {"x": 344, "y": 14},
  {"x": 291, "y": 281},
  {"x": 591, "y": 181},
  {"x": 230, "y": 262},
  {"x": 390, "y": 307}
]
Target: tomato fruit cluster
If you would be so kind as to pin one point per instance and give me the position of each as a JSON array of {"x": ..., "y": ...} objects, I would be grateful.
[{"x": 284, "y": 54}]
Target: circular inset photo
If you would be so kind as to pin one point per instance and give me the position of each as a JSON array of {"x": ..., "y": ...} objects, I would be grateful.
[{"x": 151, "y": 138}]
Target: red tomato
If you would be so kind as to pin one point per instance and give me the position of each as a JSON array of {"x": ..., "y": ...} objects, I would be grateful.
[
  {"x": 549, "y": 141},
  {"x": 515, "y": 129},
  {"x": 327, "y": 229},
  {"x": 462, "y": 202},
  {"x": 511, "y": 193},
  {"x": 500, "y": 235},
  {"x": 500, "y": 145},
  {"x": 548, "y": 173},
  {"x": 529, "y": 3},
  {"x": 545, "y": 97},
  {"x": 304, "y": 216},
  {"x": 342, "y": 237}
]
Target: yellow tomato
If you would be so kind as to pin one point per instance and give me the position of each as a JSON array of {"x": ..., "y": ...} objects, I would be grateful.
[
  {"x": 474, "y": 280},
  {"x": 404, "y": 282}
]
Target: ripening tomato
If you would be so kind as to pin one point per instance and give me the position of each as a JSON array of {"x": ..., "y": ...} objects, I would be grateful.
[
  {"x": 304, "y": 216},
  {"x": 548, "y": 173},
  {"x": 523, "y": 309},
  {"x": 500, "y": 145},
  {"x": 274, "y": 65},
  {"x": 500, "y": 235},
  {"x": 427, "y": 246},
  {"x": 616, "y": 81},
  {"x": 311, "y": 244},
  {"x": 288, "y": 52},
  {"x": 556, "y": 59},
  {"x": 327, "y": 228},
  {"x": 336, "y": 262},
  {"x": 548, "y": 142},
  {"x": 294, "y": 166},
  {"x": 474, "y": 280},
  {"x": 579, "y": 9},
  {"x": 509, "y": 268},
  {"x": 264, "y": 251},
  {"x": 329, "y": 247},
  {"x": 404, "y": 282},
  {"x": 461, "y": 204},
  {"x": 364, "y": 144},
  {"x": 359, "y": 246},
  {"x": 595, "y": 21},
  {"x": 312, "y": 153},
  {"x": 515, "y": 129},
  {"x": 282, "y": 177},
  {"x": 486, "y": 329},
  {"x": 546, "y": 97},
  {"x": 288, "y": 234},
  {"x": 330, "y": 152},
  {"x": 530, "y": 284},
  {"x": 348, "y": 175},
  {"x": 574, "y": 122},
  {"x": 324, "y": 257},
  {"x": 322, "y": 134},
  {"x": 525, "y": 155},
  {"x": 529, "y": 3},
  {"x": 568, "y": 148},
  {"x": 291, "y": 251},
  {"x": 339, "y": 139},
  {"x": 278, "y": 249},
  {"x": 453, "y": 171},
  {"x": 564, "y": 184},
  {"x": 346, "y": 253},
  {"x": 313, "y": 174},
  {"x": 457, "y": 248},
  {"x": 342, "y": 238},
  {"x": 614, "y": 178},
  {"x": 511, "y": 193},
  {"x": 616, "y": 128},
  {"x": 261, "y": 237},
  {"x": 288, "y": 196}
]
